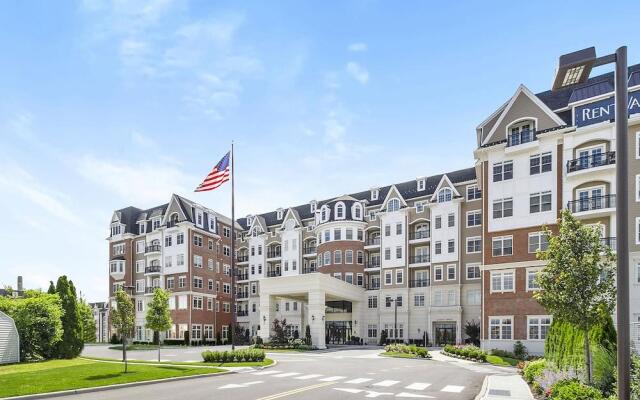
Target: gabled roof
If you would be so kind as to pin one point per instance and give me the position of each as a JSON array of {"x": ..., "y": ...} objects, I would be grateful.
[
  {"x": 445, "y": 181},
  {"x": 390, "y": 193}
]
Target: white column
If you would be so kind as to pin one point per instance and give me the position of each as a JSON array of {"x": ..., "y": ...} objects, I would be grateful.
[
  {"x": 267, "y": 312},
  {"x": 316, "y": 318},
  {"x": 357, "y": 319}
]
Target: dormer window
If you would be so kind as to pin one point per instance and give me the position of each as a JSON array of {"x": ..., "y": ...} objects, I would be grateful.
[
  {"x": 249, "y": 220},
  {"x": 312, "y": 206},
  {"x": 212, "y": 223},
  {"x": 199, "y": 218},
  {"x": 142, "y": 228},
  {"x": 393, "y": 205},
  {"x": 445, "y": 194},
  {"x": 421, "y": 182},
  {"x": 357, "y": 211},
  {"x": 374, "y": 194},
  {"x": 521, "y": 132},
  {"x": 116, "y": 229},
  {"x": 324, "y": 214},
  {"x": 156, "y": 224},
  {"x": 340, "y": 211},
  {"x": 279, "y": 213}
]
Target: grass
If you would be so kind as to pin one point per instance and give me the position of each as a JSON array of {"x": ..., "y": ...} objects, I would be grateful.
[
  {"x": 502, "y": 361},
  {"x": 401, "y": 355},
  {"x": 264, "y": 363},
  {"x": 57, "y": 375}
]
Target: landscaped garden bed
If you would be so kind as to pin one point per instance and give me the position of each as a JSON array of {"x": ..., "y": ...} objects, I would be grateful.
[
  {"x": 468, "y": 352},
  {"x": 405, "y": 351}
]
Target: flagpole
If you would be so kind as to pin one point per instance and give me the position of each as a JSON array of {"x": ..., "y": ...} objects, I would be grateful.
[{"x": 233, "y": 255}]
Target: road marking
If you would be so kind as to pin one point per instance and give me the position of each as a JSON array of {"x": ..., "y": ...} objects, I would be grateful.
[
  {"x": 349, "y": 390},
  {"x": 371, "y": 393},
  {"x": 414, "y": 395},
  {"x": 287, "y": 374},
  {"x": 332, "y": 378},
  {"x": 239, "y": 385},
  {"x": 267, "y": 372},
  {"x": 386, "y": 383},
  {"x": 359, "y": 380},
  {"x": 295, "y": 391},
  {"x": 452, "y": 389},
  {"x": 308, "y": 376},
  {"x": 418, "y": 386}
]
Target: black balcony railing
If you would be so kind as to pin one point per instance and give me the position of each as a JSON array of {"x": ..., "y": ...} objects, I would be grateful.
[
  {"x": 242, "y": 277},
  {"x": 609, "y": 241},
  {"x": 150, "y": 290},
  {"x": 242, "y": 258},
  {"x": 373, "y": 286},
  {"x": 171, "y": 224},
  {"x": 242, "y": 295},
  {"x": 243, "y": 313},
  {"x": 592, "y": 161},
  {"x": 152, "y": 248},
  {"x": 274, "y": 273},
  {"x": 152, "y": 269},
  {"x": 423, "y": 258},
  {"x": 273, "y": 253},
  {"x": 373, "y": 241},
  {"x": 372, "y": 264},
  {"x": 419, "y": 283},
  {"x": 419, "y": 235},
  {"x": 525, "y": 136},
  {"x": 592, "y": 203},
  {"x": 308, "y": 270},
  {"x": 309, "y": 250}
]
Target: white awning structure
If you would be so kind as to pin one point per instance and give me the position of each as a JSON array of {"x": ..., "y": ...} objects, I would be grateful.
[{"x": 9, "y": 340}]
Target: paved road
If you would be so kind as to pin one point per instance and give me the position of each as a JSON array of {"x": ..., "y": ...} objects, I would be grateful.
[{"x": 344, "y": 374}]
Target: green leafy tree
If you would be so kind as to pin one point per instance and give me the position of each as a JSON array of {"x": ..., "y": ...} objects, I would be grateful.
[
  {"x": 472, "y": 329},
  {"x": 72, "y": 342},
  {"x": 158, "y": 318},
  {"x": 307, "y": 335},
  {"x": 38, "y": 321},
  {"x": 123, "y": 319},
  {"x": 577, "y": 284},
  {"x": 52, "y": 288},
  {"x": 88, "y": 323}
]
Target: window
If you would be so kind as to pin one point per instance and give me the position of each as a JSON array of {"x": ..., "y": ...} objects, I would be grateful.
[
  {"x": 360, "y": 279},
  {"x": 473, "y": 192},
  {"x": 326, "y": 258},
  {"x": 116, "y": 266},
  {"x": 180, "y": 238},
  {"x": 437, "y": 273},
  {"x": 210, "y": 244},
  {"x": 197, "y": 302},
  {"x": 140, "y": 246},
  {"x": 180, "y": 259},
  {"x": 539, "y": 163},
  {"x": 210, "y": 284},
  {"x": 474, "y": 218},
  {"x": 360, "y": 236},
  {"x": 399, "y": 277},
  {"x": 398, "y": 252},
  {"x": 374, "y": 194},
  {"x": 388, "y": 278},
  {"x": 539, "y": 202},
  {"x": 373, "y": 301},
  {"x": 357, "y": 211},
  {"x": 197, "y": 240},
  {"x": 140, "y": 285},
  {"x": 170, "y": 283},
  {"x": 438, "y": 249},
  {"x": 502, "y": 171},
  {"x": 473, "y": 271},
  {"x": 387, "y": 253},
  {"x": 226, "y": 231},
  {"x": 451, "y": 246},
  {"x": 142, "y": 227},
  {"x": 337, "y": 257},
  {"x": 474, "y": 245},
  {"x": 399, "y": 228},
  {"x": 438, "y": 222},
  {"x": 167, "y": 241},
  {"x": 348, "y": 277},
  {"x": 340, "y": 211},
  {"x": 538, "y": 241},
  {"x": 140, "y": 306},
  {"x": 140, "y": 265},
  {"x": 197, "y": 261},
  {"x": 226, "y": 250},
  {"x": 532, "y": 282},
  {"x": 500, "y": 328},
  {"x": 372, "y": 331},
  {"x": 182, "y": 281},
  {"x": 197, "y": 282},
  {"x": 360, "y": 257},
  {"x": 394, "y": 205},
  {"x": 503, "y": 208},
  {"x": 451, "y": 272},
  {"x": 348, "y": 234},
  {"x": 118, "y": 249},
  {"x": 474, "y": 297},
  {"x": 419, "y": 206},
  {"x": 337, "y": 234},
  {"x": 348, "y": 256},
  {"x": 418, "y": 300},
  {"x": 445, "y": 194},
  {"x": 502, "y": 246},
  {"x": 387, "y": 230},
  {"x": 451, "y": 220},
  {"x": 502, "y": 281},
  {"x": 538, "y": 326},
  {"x": 327, "y": 235}
]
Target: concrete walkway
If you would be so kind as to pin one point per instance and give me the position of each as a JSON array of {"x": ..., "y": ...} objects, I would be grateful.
[{"x": 500, "y": 387}]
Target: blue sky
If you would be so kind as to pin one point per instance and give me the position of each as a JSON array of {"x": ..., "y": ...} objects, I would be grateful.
[{"x": 110, "y": 103}]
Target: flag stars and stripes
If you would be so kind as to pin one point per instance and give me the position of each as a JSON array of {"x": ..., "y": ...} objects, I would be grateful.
[{"x": 217, "y": 176}]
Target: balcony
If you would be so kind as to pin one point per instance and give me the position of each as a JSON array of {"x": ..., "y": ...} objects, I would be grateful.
[
  {"x": 242, "y": 295},
  {"x": 150, "y": 290},
  {"x": 419, "y": 235},
  {"x": 171, "y": 224},
  {"x": 371, "y": 242},
  {"x": 242, "y": 258},
  {"x": 420, "y": 259},
  {"x": 242, "y": 277},
  {"x": 594, "y": 203},
  {"x": 592, "y": 161},
  {"x": 243, "y": 313},
  {"x": 610, "y": 242},
  {"x": 375, "y": 264},
  {"x": 154, "y": 248},
  {"x": 309, "y": 251},
  {"x": 309, "y": 270},
  {"x": 153, "y": 269},
  {"x": 417, "y": 283},
  {"x": 373, "y": 286},
  {"x": 273, "y": 273},
  {"x": 523, "y": 137},
  {"x": 274, "y": 253}
]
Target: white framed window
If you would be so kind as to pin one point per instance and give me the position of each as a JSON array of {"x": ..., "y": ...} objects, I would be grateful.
[
  {"x": 532, "y": 283},
  {"x": 180, "y": 238},
  {"x": 374, "y": 194},
  {"x": 502, "y": 246},
  {"x": 501, "y": 328},
  {"x": 419, "y": 206},
  {"x": 637, "y": 230},
  {"x": 438, "y": 222},
  {"x": 399, "y": 277},
  {"x": 502, "y": 171},
  {"x": 503, "y": 208},
  {"x": 421, "y": 184},
  {"x": 438, "y": 247},
  {"x": 451, "y": 220},
  {"x": 140, "y": 285},
  {"x": 197, "y": 261},
  {"x": 388, "y": 278},
  {"x": 539, "y": 163},
  {"x": 372, "y": 331},
  {"x": 474, "y": 245},
  {"x": 118, "y": 249},
  {"x": 393, "y": 205},
  {"x": 473, "y": 193},
  {"x": 539, "y": 202},
  {"x": 197, "y": 302},
  {"x": 357, "y": 211},
  {"x": 348, "y": 256},
  {"x": 438, "y": 273},
  {"x": 473, "y": 271},
  {"x": 340, "y": 210},
  {"x": 418, "y": 300},
  {"x": 538, "y": 241},
  {"x": 398, "y": 252},
  {"x": 348, "y": 277},
  {"x": 474, "y": 297},
  {"x": 474, "y": 218},
  {"x": 451, "y": 245},
  {"x": 140, "y": 264},
  {"x": 444, "y": 195},
  {"x": 337, "y": 257},
  {"x": 139, "y": 246},
  {"x": 326, "y": 258},
  {"x": 451, "y": 272},
  {"x": 538, "y": 326},
  {"x": 372, "y": 301},
  {"x": 503, "y": 281}
]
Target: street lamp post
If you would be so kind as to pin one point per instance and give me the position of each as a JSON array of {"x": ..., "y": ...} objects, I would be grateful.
[
  {"x": 395, "y": 319},
  {"x": 574, "y": 68}
]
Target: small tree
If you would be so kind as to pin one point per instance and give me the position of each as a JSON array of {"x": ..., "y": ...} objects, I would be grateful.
[
  {"x": 307, "y": 335},
  {"x": 87, "y": 321},
  {"x": 472, "y": 329},
  {"x": 577, "y": 284},
  {"x": 279, "y": 331},
  {"x": 123, "y": 319},
  {"x": 158, "y": 317},
  {"x": 383, "y": 337},
  {"x": 72, "y": 343}
]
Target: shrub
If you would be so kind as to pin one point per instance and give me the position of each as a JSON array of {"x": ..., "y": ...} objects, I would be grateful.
[
  {"x": 574, "y": 390},
  {"x": 407, "y": 349},
  {"x": 533, "y": 369},
  {"x": 383, "y": 337},
  {"x": 244, "y": 355},
  {"x": 186, "y": 338},
  {"x": 520, "y": 351},
  {"x": 114, "y": 339},
  {"x": 470, "y": 351}
]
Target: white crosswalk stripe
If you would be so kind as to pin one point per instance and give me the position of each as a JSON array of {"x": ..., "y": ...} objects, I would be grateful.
[
  {"x": 311, "y": 376},
  {"x": 331, "y": 378},
  {"x": 452, "y": 389},
  {"x": 386, "y": 383},
  {"x": 414, "y": 395},
  {"x": 267, "y": 372},
  {"x": 359, "y": 380},
  {"x": 418, "y": 386},
  {"x": 287, "y": 374}
]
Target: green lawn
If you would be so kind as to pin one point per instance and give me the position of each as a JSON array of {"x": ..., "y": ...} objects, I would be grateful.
[
  {"x": 265, "y": 362},
  {"x": 503, "y": 361},
  {"x": 56, "y": 375}
]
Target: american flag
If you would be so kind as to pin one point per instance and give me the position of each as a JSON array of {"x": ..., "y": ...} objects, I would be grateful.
[{"x": 218, "y": 176}]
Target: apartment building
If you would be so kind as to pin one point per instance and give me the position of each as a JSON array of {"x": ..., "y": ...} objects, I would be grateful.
[
  {"x": 100, "y": 311},
  {"x": 183, "y": 247},
  {"x": 538, "y": 154}
]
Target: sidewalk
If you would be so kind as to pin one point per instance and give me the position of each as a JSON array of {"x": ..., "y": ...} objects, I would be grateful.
[{"x": 500, "y": 387}]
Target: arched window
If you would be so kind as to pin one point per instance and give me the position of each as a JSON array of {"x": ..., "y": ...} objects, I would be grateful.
[
  {"x": 340, "y": 210},
  {"x": 324, "y": 214},
  {"x": 174, "y": 218},
  {"x": 394, "y": 205},
  {"x": 357, "y": 211},
  {"x": 445, "y": 194},
  {"x": 289, "y": 225}
]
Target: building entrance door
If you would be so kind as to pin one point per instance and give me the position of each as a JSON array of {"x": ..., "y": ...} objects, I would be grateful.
[
  {"x": 445, "y": 333},
  {"x": 337, "y": 332}
]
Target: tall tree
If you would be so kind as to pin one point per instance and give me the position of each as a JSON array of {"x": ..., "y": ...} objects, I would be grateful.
[
  {"x": 72, "y": 343},
  {"x": 577, "y": 283},
  {"x": 123, "y": 320},
  {"x": 88, "y": 323},
  {"x": 52, "y": 288},
  {"x": 158, "y": 318}
]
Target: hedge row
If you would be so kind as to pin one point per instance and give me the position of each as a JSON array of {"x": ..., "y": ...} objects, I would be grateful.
[
  {"x": 470, "y": 351},
  {"x": 244, "y": 355},
  {"x": 407, "y": 349}
]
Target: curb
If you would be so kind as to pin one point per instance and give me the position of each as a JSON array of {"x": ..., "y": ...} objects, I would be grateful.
[{"x": 483, "y": 391}]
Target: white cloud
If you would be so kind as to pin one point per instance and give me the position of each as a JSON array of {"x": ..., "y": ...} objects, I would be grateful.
[
  {"x": 358, "y": 47},
  {"x": 358, "y": 72}
]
